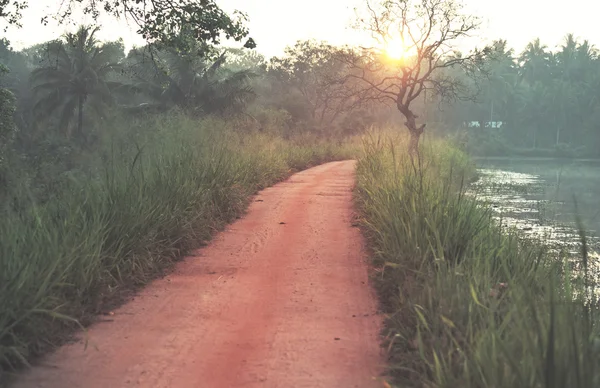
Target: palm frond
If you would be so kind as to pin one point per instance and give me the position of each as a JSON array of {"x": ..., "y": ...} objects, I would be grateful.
[
  {"x": 44, "y": 106},
  {"x": 220, "y": 61},
  {"x": 78, "y": 68}
]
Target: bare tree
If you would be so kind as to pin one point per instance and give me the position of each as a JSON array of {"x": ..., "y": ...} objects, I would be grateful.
[{"x": 428, "y": 31}]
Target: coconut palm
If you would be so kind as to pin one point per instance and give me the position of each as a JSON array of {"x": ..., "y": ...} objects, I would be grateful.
[
  {"x": 566, "y": 58},
  {"x": 498, "y": 90},
  {"x": 190, "y": 82},
  {"x": 535, "y": 61},
  {"x": 75, "y": 73}
]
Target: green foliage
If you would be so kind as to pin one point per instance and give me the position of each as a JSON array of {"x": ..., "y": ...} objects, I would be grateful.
[
  {"x": 10, "y": 10},
  {"x": 7, "y": 109},
  {"x": 189, "y": 81},
  {"x": 75, "y": 83},
  {"x": 314, "y": 83},
  {"x": 7, "y": 126},
  {"x": 543, "y": 99},
  {"x": 159, "y": 188},
  {"x": 468, "y": 305},
  {"x": 181, "y": 24},
  {"x": 7, "y": 132},
  {"x": 75, "y": 74}
]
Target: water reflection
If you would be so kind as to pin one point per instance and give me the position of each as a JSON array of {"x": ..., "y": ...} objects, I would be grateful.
[{"x": 538, "y": 198}]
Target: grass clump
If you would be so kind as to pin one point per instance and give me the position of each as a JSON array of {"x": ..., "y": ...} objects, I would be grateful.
[
  {"x": 147, "y": 201},
  {"x": 468, "y": 304}
]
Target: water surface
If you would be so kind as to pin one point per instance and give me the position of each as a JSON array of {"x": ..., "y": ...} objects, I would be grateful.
[{"x": 544, "y": 198}]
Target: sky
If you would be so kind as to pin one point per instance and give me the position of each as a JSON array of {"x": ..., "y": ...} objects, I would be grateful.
[{"x": 275, "y": 24}]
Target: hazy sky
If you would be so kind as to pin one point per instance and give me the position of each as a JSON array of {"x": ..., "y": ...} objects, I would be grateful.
[{"x": 277, "y": 23}]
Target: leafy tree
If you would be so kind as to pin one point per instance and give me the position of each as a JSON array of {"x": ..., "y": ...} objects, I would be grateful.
[
  {"x": 535, "y": 62},
  {"x": 157, "y": 20},
  {"x": 75, "y": 73},
  {"x": 10, "y": 10},
  {"x": 309, "y": 74},
  {"x": 17, "y": 79},
  {"x": 14, "y": 61}
]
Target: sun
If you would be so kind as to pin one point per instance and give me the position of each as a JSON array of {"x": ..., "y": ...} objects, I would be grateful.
[{"x": 395, "y": 49}]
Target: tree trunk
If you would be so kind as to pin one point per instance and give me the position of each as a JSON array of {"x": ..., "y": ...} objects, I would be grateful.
[
  {"x": 415, "y": 132},
  {"x": 413, "y": 145}
]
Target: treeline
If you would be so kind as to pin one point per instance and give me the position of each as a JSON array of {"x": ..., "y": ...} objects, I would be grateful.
[
  {"x": 61, "y": 98},
  {"x": 544, "y": 99},
  {"x": 115, "y": 165}
]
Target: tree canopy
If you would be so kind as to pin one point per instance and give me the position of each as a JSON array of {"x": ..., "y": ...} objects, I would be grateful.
[
  {"x": 536, "y": 99},
  {"x": 163, "y": 21},
  {"x": 313, "y": 71}
]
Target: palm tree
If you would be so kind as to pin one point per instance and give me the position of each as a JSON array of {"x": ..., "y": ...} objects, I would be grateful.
[
  {"x": 535, "y": 112},
  {"x": 535, "y": 61},
  {"x": 499, "y": 89},
  {"x": 576, "y": 68},
  {"x": 75, "y": 72},
  {"x": 566, "y": 58},
  {"x": 190, "y": 82}
]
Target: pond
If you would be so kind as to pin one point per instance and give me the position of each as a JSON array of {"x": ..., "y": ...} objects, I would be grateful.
[{"x": 544, "y": 198}]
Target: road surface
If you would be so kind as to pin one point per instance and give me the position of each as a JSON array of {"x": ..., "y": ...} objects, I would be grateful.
[{"x": 278, "y": 299}]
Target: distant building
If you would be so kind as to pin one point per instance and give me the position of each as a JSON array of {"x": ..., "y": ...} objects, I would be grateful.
[{"x": 487, "y": 124}]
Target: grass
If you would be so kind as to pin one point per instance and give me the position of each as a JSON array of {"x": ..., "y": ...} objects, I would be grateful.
[
  {"x": 468, "y": 304},
  {"x": 103, "y": 234}
]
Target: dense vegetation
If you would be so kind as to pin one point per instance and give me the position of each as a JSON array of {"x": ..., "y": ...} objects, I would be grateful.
[
  {"x": 466, "y": 304},
  {"x": 114, "y": 164},
  {"x": 106, "y": 233},
  {"x": 547, "y": 102}
]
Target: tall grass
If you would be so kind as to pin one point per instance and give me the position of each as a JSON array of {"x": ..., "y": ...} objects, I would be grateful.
[
  {"x": 468, "y": 304},
  {"x": 152, "y": 199}
]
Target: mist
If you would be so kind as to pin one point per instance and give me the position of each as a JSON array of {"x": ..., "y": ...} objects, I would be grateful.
[{"x": 472, "y": 171}]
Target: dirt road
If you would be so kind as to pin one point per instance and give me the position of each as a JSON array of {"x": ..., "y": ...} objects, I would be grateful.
[{"x": 278, "y": 299}]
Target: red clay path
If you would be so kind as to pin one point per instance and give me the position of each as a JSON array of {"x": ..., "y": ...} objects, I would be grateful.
[{"x": 278, "y": 299}]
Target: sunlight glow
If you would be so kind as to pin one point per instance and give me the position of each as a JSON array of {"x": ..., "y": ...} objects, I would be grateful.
[{"x": 395, "y": 49}]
